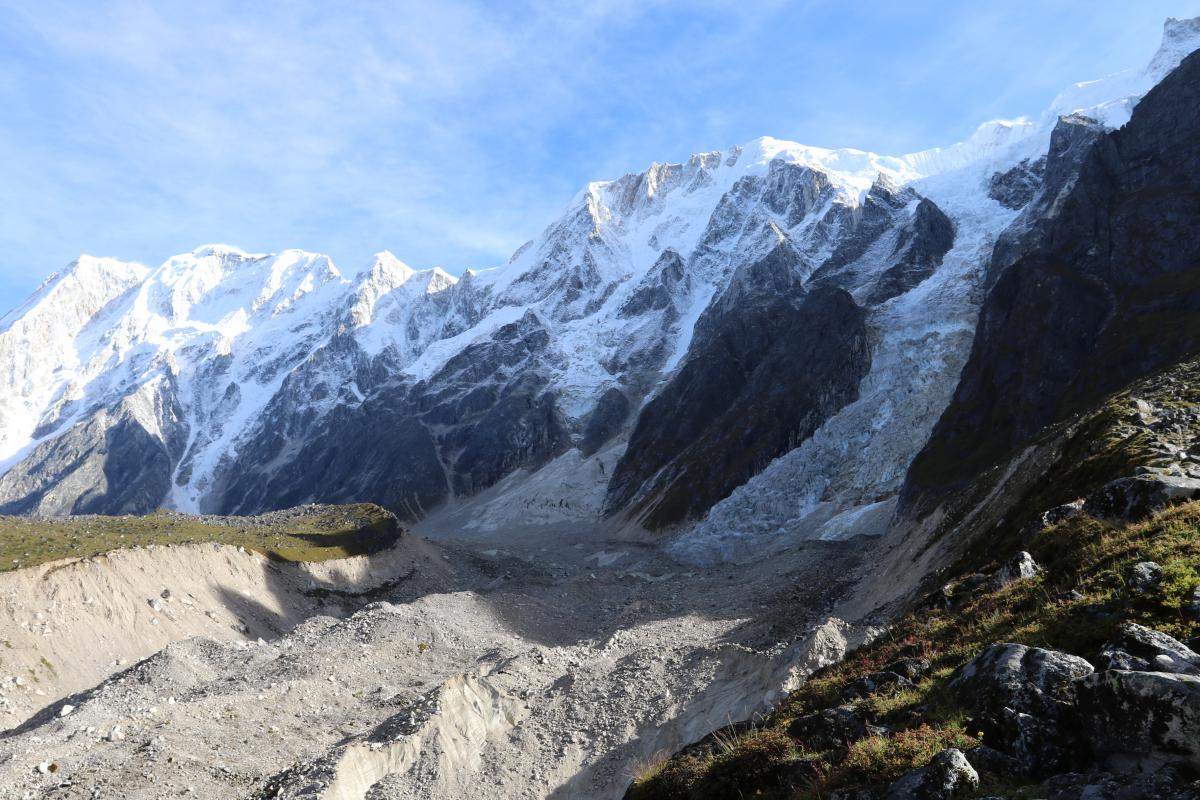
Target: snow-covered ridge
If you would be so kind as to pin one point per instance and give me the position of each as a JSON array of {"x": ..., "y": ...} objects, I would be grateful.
[{"x": 205, "y": 343}]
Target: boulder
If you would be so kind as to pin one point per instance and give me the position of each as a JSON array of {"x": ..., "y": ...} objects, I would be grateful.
[
  {"x": 1139, "y": 496},
  {"x": 829, "y": 728},
  {"x": 1141, "y": 720},
  {"x": 1162, "y": 785},
  {"x": 1028, "y": 680},
  {"x": 1017, "y": 568},
  {"x": 947, "y": 776},
  {"x": 1021, "y": 697},
  {"x": 991, "y": 760},
  {"x": 1144, "y": 578},
  {"x": 1144, "y": 650},
  {"x": 875, "y": 683}
]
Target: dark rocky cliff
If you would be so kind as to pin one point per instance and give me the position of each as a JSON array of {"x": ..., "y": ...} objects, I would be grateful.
[
  {"x": 1108, "y": 291},
  {"x": 764, "y": 372}
]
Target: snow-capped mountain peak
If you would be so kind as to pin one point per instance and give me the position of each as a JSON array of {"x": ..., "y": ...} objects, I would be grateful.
[{"x": 252, "y": 380}]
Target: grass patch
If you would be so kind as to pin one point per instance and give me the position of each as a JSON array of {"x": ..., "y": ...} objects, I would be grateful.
[{"x": 333, "y": 532}]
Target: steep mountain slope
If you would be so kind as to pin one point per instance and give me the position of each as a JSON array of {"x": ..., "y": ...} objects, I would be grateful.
[{"x": 1109, "y": 292}]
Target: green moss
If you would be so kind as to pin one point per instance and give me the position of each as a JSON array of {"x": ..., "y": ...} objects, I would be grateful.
[{"x": 337, "y": 532}]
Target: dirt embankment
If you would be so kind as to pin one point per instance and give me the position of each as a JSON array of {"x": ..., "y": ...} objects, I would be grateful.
[{"x": 69, "y": 624}]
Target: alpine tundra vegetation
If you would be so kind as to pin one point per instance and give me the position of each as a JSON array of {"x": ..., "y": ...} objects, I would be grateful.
[{"x": 782, "y": 472}]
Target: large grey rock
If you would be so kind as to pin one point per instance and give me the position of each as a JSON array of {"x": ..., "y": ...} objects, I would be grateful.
[
  {"x": 1029, "y": 680},
  {"x": 1023, "y": 696},
  {"x": 1139, "y": 496},
  {"x": 947, "y": 776},
  {"x": 1141, "y": 720},
  {"x": 1142, "y": 649}
]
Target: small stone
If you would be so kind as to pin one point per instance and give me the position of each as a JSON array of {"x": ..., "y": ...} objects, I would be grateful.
[
  {"x": 1019, "y": 567},
  {"x": 911, "y": 668},
  {"x": 65, "y": 710},
  {"x": 1059, "y": 514},
  {"x": 876, "y": 683},
  {"x": 116, "y": 734},
  {"x": 948, "y": 775},
  {"x": 1145, "y": 577}
]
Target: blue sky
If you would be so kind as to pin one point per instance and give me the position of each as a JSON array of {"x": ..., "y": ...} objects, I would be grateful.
[{"x": 450, "y": 132}]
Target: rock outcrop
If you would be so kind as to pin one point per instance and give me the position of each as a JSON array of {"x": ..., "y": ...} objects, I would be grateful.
[{"x": 1022, "y": 697}]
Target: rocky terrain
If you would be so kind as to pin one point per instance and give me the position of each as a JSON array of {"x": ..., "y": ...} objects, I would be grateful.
[{"x": 482, "y": 673}]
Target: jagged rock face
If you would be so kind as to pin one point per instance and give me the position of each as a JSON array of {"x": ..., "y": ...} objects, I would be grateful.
[
  {"x": 1111, "y": 292},
  {"x": 759, "y": 378},
  {"x": 918, "y": 252},
  {"x": 405, "y": 446},
  {"x": 1015, "y": 187}
]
